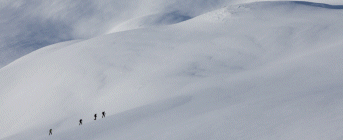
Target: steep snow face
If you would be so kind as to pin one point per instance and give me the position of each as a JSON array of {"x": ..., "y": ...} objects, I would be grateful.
[{"x": 268, "y": 70}]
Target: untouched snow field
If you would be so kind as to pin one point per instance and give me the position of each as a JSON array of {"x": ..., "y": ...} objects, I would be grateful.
[
  {"x": 237, "y": 71},
  {"x": 27, "y": 25}
]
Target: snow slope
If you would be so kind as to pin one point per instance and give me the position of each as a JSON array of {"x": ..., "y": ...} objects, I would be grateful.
[
  {"x": 27, "y": 25},
  {"x": 266, "y": 70}
]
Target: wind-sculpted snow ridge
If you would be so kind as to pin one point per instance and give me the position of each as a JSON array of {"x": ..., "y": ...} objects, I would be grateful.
[
  {"x": 29, "y": 25},
  {"x": 151, "y": 21},
  {"x": 322, "y": 5},
  {"x": 264, "y": 70}
]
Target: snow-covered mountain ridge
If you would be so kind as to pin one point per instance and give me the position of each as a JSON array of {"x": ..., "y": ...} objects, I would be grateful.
[
  {"x": 267, "y": 70},
  {"x": 29, "y": 25}
]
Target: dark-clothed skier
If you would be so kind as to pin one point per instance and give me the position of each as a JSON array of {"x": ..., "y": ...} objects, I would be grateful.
[
  {"x": 103, "y": 114},
  {"x": 80, "y": 122},
  {"x": 94, "y": 116},
  {"x": 50, "y": 132}
]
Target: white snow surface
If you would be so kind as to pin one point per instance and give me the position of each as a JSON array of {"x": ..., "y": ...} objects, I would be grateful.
[
  {"x": 27, "y": 25},
  {"x": 237, "y": 70}
]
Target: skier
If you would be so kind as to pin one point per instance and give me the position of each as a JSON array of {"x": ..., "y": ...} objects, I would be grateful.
[
  {"x": 80, "y": 122},
  {"x": 50, "y": 132},
  {"x": 103, "y": 114},
  {"x": 94, "y": 116}
]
